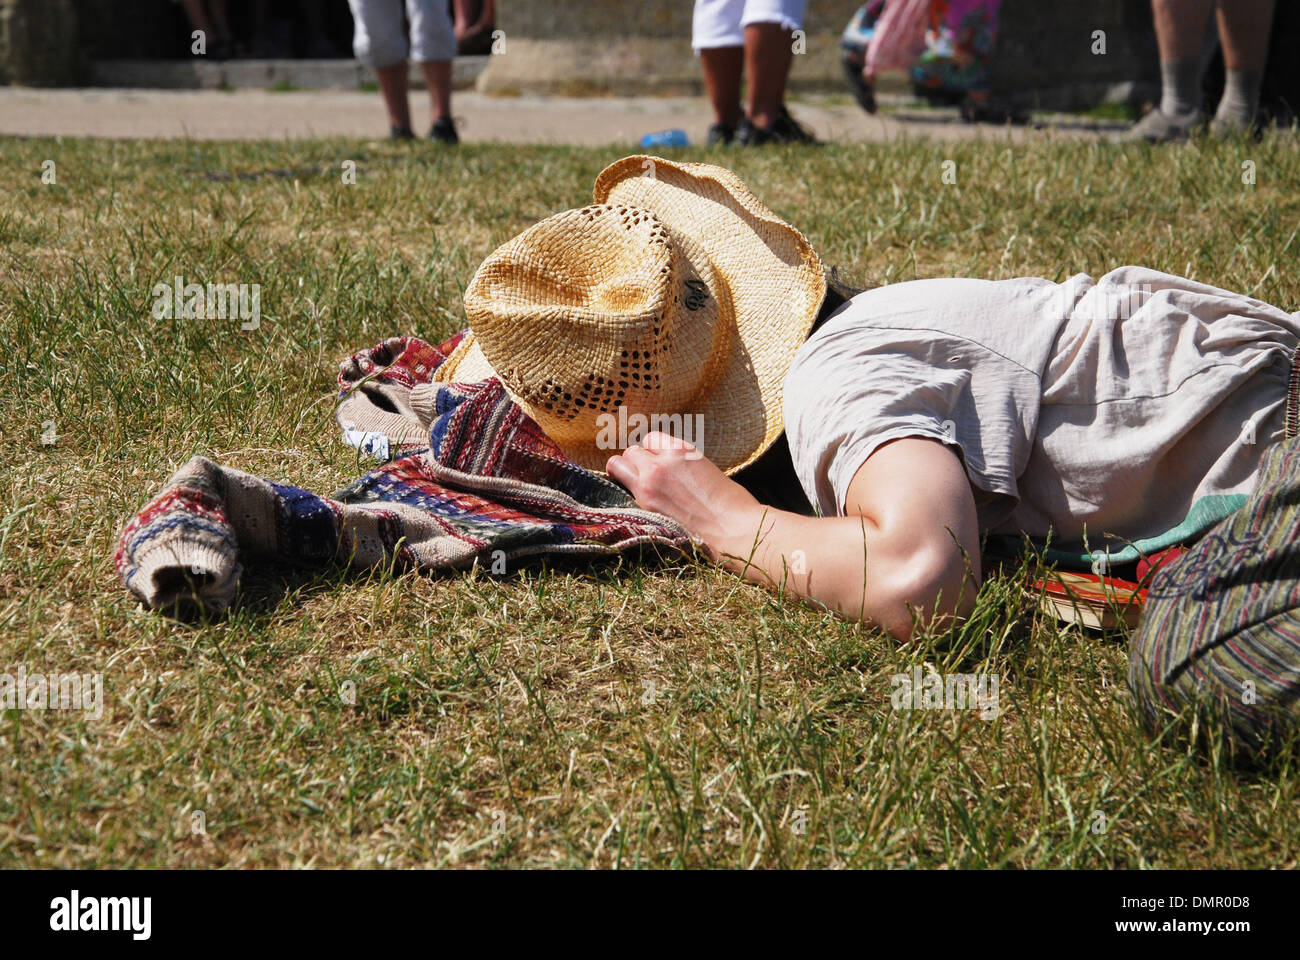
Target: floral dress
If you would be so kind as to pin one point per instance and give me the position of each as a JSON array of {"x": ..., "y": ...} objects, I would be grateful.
[{"x": 946, "y": 46}]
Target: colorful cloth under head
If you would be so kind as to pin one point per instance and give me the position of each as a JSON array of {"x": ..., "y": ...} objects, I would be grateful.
[{"x": 487, "y": 485}]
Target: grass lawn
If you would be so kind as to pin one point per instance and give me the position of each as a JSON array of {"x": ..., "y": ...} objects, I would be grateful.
[{"x": 560, "y": 716}]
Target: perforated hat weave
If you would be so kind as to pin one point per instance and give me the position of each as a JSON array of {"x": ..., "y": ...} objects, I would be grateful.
[{"x": 676, "y": 294}]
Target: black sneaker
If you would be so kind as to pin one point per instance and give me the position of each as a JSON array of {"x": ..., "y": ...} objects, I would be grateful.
[
  {"x": 748, "y": 135},
  {"x": 789, "y": 130},
  {"x": 785, "y": 130},
  {"x": 444, "y": 131},
  {"x": 721, "y": 134},
  {"x": 400, "y": 133}
]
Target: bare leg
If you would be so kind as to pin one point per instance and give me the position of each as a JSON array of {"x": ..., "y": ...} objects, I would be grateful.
[
  {"x": 437, "y": 77},
  {"x": 1180, "y": 35},
  {"x": 768, "y": 53},
  {"x": 1180, "y": 27},
  {"x": 1243, "y": 31},
  {"x": 722, "y": 72},
  {"x": 392, "y": 87}
]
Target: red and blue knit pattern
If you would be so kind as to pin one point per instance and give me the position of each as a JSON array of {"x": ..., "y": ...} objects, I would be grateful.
[{"x": 490, "y": 486}]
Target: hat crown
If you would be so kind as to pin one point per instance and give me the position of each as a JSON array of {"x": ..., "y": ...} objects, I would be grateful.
[
  {"x": 590, "y": 298},
  {"x": 675, "y": 294}
]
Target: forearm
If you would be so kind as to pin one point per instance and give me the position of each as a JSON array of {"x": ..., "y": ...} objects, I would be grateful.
[
  {"x": 461, "y": 15},
  {"x": 463, "y": 20},
  {"x": 909, "y": 546},
  {"x": 849, "y": 566}
]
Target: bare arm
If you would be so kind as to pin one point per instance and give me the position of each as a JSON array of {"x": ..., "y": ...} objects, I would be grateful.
[
  {"x": 910, "y": 542},
  {"x": 463, "y": 25}
]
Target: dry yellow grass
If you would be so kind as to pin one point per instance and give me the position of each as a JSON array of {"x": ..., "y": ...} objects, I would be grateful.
[{"x": 660, "y": 715}]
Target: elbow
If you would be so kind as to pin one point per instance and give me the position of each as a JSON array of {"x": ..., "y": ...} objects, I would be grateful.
[{"x": 936, "y": 588}]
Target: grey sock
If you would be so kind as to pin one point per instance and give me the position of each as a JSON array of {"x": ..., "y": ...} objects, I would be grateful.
[
  {"x": 1180, "y": 86},
  {"x": 1240, "y": 97}
]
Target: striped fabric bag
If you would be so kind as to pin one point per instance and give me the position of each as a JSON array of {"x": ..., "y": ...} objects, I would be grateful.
[{"x": 1220, "y": 633}]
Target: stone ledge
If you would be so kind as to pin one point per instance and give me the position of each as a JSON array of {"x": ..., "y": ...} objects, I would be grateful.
[
  {"x": 633, "y": 66},
  {"x": 200, "y": 74}
]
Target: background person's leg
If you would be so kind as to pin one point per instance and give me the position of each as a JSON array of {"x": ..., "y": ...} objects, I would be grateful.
[
  {"x": 1180, "y": 27},
  {"x": 437, "y": 76},
  {"x": 718, "y": 39},
  {"x": 433, "y": 47},
  {"x": 1180, "y": 34},
  {"x": 393, "y": 83},
  {"x": 723, "y": 67},
  {"x": 1243, "y": 31},
  {"x": 379, "y": 41},
  {"x": 768, "y": 55},
  {"x": 769, "y": 27}
]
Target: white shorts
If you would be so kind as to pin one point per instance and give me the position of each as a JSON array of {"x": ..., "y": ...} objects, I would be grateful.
[
  {"x": 379, "y": 39},
  {"x": 722, "y": 23}
]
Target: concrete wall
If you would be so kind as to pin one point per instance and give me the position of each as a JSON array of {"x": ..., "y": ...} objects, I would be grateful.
[
  {"x": 636, "y": 47},
  {"x": 1044, "y": 54}
]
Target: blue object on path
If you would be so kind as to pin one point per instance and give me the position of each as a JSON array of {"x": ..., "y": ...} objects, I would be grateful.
[{"x": 665, "y": 138}]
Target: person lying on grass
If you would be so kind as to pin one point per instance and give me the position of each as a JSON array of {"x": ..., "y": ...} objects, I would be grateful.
[
  {"x": 1124, "y": 414},
  {"x": 925, "y": 415},
  {"x": 1111, "y": 419}
]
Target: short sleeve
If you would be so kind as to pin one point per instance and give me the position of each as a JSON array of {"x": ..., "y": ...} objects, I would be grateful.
[{"x": 851, "y": 390}]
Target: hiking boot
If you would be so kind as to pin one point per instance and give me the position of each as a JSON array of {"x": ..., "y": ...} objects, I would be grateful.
[
  {"x": 444, "y": 131},
  {"x": 1157, "y": 127}
]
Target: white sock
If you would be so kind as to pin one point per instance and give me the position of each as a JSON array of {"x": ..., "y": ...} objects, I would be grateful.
[{"x": 1240, "y": 97}]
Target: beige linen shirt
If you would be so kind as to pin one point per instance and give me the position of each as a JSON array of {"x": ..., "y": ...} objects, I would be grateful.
[{"x": 1113, "y": 415}]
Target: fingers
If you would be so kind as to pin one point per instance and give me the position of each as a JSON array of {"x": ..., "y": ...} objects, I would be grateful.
[
  {"x": 622, "y": 470},
  {"x": 657, "y": 440},
  {"x": 627, "y": 467}
]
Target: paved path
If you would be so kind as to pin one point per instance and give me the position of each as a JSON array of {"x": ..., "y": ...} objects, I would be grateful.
[{"x": 261, "y": 114}]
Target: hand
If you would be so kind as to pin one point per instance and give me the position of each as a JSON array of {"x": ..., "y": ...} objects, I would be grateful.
[{"x": 670, "y": 476}]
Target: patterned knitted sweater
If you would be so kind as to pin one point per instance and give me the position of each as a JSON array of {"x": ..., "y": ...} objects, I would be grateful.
[{"x": 470, "y": 479}]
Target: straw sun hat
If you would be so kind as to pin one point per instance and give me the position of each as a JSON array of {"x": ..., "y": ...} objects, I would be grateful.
[{"x": 675, "y": 294}]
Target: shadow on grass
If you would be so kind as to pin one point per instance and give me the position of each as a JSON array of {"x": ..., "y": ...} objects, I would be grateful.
[{"x": 267, "y": 586}]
